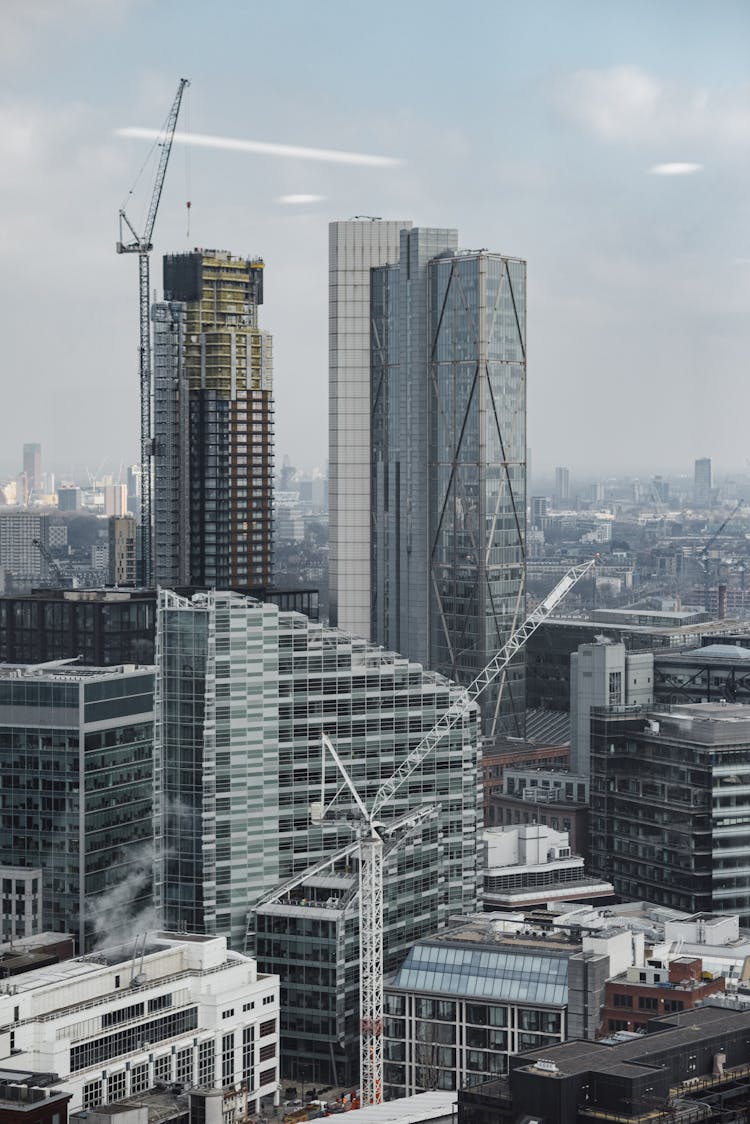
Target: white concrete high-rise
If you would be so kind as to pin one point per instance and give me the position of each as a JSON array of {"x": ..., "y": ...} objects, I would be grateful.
[{"x": 355, "y": 246}]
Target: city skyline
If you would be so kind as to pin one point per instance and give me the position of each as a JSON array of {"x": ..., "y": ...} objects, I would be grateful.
[{"x": 639, "y": 282}]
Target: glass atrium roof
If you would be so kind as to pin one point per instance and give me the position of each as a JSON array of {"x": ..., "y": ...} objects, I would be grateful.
[{"x": 494, "y": 974}]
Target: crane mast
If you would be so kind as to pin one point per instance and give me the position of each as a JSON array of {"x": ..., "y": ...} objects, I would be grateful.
[{"x": 142, "y": 245}]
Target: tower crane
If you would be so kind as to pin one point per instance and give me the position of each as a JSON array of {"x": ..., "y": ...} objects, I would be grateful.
[
  {"x": 369, "y": 832},
  {"x": 57, "y": 574},
  {"x": 703, "y": 557},
  {"x": 142, "y": 245}
]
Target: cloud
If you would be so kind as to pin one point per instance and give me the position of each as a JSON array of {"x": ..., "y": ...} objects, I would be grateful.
[
  {"x": 675, "y": 169},
  {"x": 625, "y": 103},
  {"x": 266, "y": 148}
]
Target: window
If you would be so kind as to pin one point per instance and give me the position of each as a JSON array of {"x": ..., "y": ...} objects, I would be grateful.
[
  {"x": 267, "y": 999},
  {"x": 267, "y": 1052},
  {"x": 228, "y": 1013},
  {"x": 159, "y": 1002},
  {"x": 163, "y": 1068},
  {"x": 206, "y": 1066},
  {"x": 268, "y": 1076},
  {"x": 248, "y": 1006},
  {"x": 185, "y": 1066},
  {"x": 621, "y": 1000},
  {"x": 268, "y": 1027},
  {"x": 139, "y": 1078},
  {"x": 648, "y": 1003},
  {"x": 125, "y": 1041},
  {"x": 227, "y": 1059},
  {"x": 92, "y": 1094},
  {"x": 247, "y": 1055},
  {"x": 116, "y": 1086}
]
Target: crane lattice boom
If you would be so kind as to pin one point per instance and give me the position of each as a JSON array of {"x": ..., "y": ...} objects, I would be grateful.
[{"x": 142, "y": 246}]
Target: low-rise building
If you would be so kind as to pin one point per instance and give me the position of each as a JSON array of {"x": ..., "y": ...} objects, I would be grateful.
[
  {"x": 675, "y": 1072},
  {"x": 31, "y": 1098},
  {"x": 180, "y": 1010},
  {"x": 664, "y": 984},
  {"x": 533, "y": 864},
  {"x": 465, "y": 999}
]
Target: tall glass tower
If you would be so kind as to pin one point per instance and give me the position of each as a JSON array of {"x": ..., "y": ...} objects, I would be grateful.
[{"x": 448, "y": 402}]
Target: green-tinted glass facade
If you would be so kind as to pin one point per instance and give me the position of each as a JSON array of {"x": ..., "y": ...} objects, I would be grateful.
[{"x": 76, "y": 784}]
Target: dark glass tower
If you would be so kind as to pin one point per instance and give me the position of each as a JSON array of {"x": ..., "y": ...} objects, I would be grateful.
[{"x": 449, "y": 461}]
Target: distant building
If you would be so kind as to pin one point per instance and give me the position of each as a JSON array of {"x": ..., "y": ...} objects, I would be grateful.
[
  {"x": 32, "y": 466},
  {"x": 69, "y": 498},
  {"x": 184, "y": 1010},
  {"x": 504, "y": 754},
  {"x": 122, "y": 550},
  {"x": 703, "y": 483},
  {"x": 22, "y": 560},
  {"x": 712, "y": 673},
  {"x": 115, "y": 500},
  {"x": 670, "y": 805},
  {"x": 76, "y": 756},
  {"x": 23, "y": 954},
  {"x": 562, "y": 486},
  {"x": 539, "y": 508}
]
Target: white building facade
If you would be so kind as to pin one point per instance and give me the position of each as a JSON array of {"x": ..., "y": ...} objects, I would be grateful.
[{"x": 114, "y": 1023}]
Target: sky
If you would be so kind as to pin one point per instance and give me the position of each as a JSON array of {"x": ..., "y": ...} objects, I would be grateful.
[{"x": 534, "y": 128}]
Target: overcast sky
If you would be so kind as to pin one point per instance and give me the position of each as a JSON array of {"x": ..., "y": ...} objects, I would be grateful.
[{"x": 532, "y": 127}]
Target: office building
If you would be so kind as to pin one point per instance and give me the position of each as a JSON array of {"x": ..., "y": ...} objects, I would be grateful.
[
  {"x": 676, "y": 1071},
  {"x": 670, "y": 805},
  {"x": 703, "y": 483},
  {"x": 122, "y": 550},
  {"x": 76, "y": 751},
  {"x": 244, "y": 693},
  {"x": 183, "y": 1010},
  {"x": 601, "y": 675},
  {"x": 562, "y": 486},
  {"x": 449, "y": 460},
  {"x": 213, "y": 424},
  {"x": 32, "y": 466},
  {"x": 549, "y": 650},
  {"x": 354, "y": 248},
  {"x": 21, "y": 902}
]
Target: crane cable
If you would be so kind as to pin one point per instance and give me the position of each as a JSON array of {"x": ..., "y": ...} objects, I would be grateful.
[{"x": 188, "y": 169}]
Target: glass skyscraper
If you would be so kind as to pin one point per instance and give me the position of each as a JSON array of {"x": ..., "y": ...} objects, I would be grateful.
[
  {"x": 244, "y": 693},
  {"x": 448, "y": 398}
]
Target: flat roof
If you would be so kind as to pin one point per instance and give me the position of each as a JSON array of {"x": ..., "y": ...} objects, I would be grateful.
[
  {"x": 432, "y": 1105},
  {"x": 582, "y": 1055}
]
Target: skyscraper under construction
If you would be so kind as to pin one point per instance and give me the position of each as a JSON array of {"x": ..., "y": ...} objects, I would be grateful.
[{"x": 213, "y": 424}]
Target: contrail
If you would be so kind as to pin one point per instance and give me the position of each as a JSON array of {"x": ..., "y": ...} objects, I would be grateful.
[
  {"x": 675, "y": 169},
  {"x": 266, "y": 148}
]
